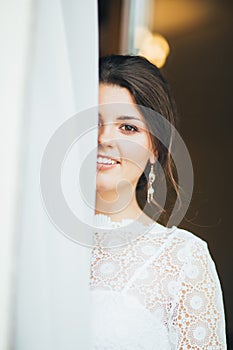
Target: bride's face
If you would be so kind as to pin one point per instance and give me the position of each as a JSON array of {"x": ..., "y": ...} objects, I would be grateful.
[{"x": 123, "y": 141}]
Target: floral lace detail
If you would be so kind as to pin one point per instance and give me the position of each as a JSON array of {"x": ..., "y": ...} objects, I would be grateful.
[
  {"x": 159, "y": 291},
  {"x": 101, "y": 220},
  {"x": 113, "y": 234}
]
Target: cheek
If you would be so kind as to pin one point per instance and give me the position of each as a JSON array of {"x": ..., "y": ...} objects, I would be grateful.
[{"x": 135, "y": 154}]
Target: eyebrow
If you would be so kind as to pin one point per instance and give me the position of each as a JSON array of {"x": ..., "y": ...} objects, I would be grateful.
[{"x": 126, "y": 117}]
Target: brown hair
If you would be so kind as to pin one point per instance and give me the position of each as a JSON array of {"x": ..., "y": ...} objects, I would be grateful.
[{"x": 150, "y": 90}]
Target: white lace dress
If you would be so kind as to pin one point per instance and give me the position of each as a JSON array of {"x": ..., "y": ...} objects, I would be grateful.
[{"x": 158, "y": 291}]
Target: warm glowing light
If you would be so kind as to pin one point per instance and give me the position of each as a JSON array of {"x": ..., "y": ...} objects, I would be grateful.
[{"x": 152, "y": 46}]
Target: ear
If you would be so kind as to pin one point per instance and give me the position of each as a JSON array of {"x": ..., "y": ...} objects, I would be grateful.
[{"x": 153, "y": 157}]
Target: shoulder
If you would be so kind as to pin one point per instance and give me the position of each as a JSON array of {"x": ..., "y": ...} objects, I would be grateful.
[
  {"x": 193, "y": 246},
  {"x": 178, "y": 235},
  {"x": 182, "y": 246},
  {"x": 192, "y": 255},
  {"x": 189, "y": 240}
]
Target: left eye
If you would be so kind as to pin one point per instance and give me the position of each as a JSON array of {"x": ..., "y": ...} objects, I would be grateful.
[{"x": 129, "y": 128}]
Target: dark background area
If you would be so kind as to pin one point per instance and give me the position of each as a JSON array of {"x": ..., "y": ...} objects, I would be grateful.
[{"x": 199, "y": 70}]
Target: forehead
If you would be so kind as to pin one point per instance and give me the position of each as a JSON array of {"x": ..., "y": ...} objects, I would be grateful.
[
  {"x": 114, "y": 94},
  {"x": 117, "y": 101}
]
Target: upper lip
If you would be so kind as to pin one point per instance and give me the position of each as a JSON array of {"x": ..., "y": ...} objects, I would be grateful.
[{"x": 109, "y": 157}]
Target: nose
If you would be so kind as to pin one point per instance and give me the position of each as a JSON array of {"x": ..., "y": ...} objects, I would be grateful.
[{"x": 106, "y": 134}]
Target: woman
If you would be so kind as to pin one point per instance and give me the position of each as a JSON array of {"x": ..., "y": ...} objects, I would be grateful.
[{"x": 159, "y": 290}]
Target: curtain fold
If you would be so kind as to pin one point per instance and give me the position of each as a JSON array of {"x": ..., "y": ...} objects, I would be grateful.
[{"x": 51, "y": 306}]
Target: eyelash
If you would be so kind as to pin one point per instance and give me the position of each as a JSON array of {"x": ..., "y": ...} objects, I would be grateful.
[{"x": 135, "y": 129}]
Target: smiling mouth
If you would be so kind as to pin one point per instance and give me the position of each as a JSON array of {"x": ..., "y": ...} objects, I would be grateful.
[{"x": 106, "y": 161}]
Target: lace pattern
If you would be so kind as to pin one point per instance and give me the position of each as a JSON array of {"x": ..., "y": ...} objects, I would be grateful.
[{"x": 160, "y": 291}]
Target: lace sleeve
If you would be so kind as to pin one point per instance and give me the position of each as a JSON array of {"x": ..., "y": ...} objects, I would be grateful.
[{"x": 197, "y": 320}]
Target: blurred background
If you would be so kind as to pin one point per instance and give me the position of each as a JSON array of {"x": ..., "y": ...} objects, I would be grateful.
[{"x": 191, "y": 41}]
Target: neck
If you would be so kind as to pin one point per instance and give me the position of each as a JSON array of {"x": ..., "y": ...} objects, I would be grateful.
[{"x": 120, "y": 206}]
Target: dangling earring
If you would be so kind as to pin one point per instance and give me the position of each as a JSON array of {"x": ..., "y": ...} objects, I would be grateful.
[{"x": 150, "y": 190}]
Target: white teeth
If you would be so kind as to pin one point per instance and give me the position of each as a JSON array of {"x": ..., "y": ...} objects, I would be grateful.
[{"x": 105, "y": 161}]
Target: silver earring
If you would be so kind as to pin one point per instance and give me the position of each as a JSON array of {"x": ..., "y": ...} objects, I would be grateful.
[{"x": 150, "y": 190}]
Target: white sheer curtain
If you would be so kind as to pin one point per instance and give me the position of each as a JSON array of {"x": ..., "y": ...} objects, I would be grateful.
[
  {"x": 50, "y": 280},
  {"x": 14, "y": 35}
]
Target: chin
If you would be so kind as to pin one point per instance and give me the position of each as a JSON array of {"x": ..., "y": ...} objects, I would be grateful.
[{"x": 105, "y": 186}]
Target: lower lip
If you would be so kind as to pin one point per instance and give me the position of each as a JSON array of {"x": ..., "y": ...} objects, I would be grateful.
[{"x": 106, "y": 166}]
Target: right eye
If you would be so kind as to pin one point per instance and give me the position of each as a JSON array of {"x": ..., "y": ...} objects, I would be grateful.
[{"x": 127, "y": 128}]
